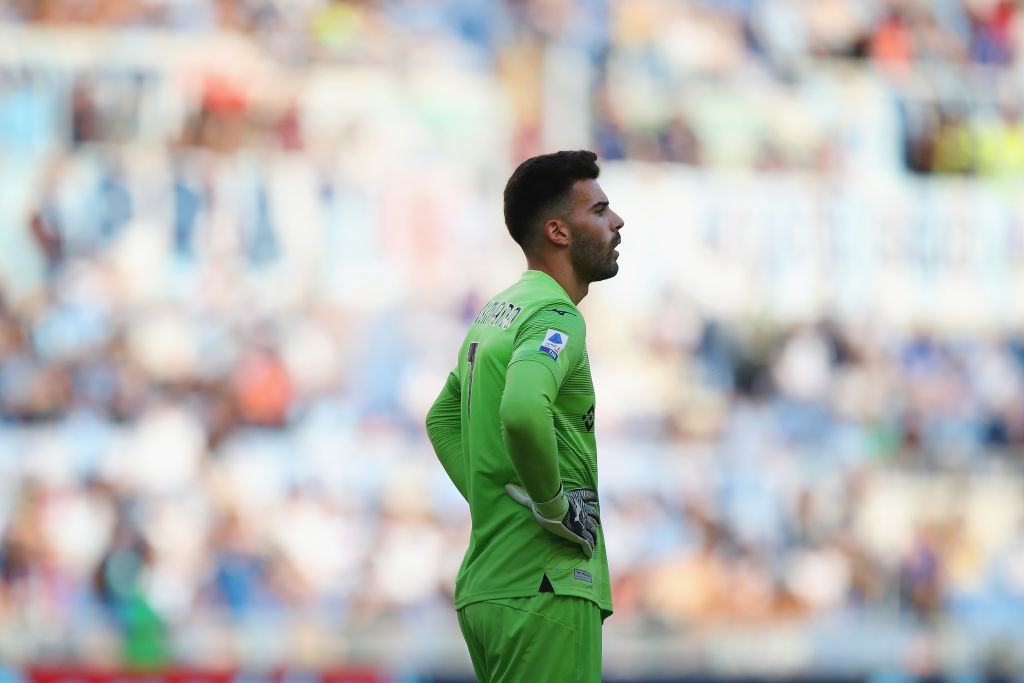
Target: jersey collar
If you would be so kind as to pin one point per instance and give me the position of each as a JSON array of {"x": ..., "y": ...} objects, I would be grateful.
[{"x": 545, "y": 280}]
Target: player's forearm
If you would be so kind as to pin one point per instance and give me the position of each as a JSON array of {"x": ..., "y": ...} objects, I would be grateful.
[
  {"x": 528, "y": 429},
  {"x": 444, "y": 429},
  {"x": 448, "y": 448}
]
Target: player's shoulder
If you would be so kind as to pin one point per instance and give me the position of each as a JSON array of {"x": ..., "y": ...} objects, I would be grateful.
[
  {"x": 552, "y": 327},
  {"x": 559, "y": 310},
  {"x": 554, "y": 313}
]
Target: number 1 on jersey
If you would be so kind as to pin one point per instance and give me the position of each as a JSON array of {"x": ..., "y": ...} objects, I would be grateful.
[{"x": 471, "y": 359}]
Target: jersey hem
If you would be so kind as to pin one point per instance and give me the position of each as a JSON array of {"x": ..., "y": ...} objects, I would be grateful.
[{"x": 606, "y": 608}]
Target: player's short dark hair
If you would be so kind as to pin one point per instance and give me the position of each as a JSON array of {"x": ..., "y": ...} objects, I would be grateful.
[{"x": 539, "y": 185}]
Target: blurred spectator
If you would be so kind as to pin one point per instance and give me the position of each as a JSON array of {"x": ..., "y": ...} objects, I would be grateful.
[
  {"x": 954, "y": 145},
  {"x": 921, "y": 576}
]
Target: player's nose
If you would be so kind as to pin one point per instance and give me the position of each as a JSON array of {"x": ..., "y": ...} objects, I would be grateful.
[{"x": 618, "y": 222}]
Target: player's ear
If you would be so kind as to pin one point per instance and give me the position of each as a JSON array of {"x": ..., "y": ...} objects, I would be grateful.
[{"x": 556, "y": 231}]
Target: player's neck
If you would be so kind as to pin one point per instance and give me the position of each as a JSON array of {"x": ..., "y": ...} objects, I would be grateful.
[{"x": 561, "y": 272}]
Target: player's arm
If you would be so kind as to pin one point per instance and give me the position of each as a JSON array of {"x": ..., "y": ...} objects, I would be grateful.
[
  {"x": 541, "y": 361},
  {"x": 444, "y": 429},
  {"x": 527, "y": 427}
]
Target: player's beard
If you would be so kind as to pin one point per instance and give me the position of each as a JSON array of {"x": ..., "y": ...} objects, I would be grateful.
[{"x": 593, "y": 260}]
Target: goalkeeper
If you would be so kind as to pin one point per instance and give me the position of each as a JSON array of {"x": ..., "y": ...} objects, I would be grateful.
[{"x": 514, "y": 429}]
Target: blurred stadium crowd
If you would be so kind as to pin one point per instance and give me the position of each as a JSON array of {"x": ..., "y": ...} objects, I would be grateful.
[
  {"x": 672, "y": 81},
  {"x": 238, "y": 239}
]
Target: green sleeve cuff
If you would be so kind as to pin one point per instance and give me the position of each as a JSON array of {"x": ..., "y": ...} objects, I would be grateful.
[{"x": 555, "y": 508}]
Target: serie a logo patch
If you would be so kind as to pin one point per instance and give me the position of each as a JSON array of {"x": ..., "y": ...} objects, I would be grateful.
[{"x": 554, "y": 343}]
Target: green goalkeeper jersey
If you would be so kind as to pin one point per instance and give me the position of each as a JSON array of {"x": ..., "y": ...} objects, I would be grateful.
[{"x": 509, "y": 553}]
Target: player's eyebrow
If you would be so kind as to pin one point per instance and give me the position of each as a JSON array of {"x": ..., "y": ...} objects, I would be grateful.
[{"x": 600, "y": 205}]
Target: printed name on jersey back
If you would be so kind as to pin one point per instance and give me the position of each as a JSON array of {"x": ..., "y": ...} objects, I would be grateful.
[
  {"x": 498, "y": 314},
  {"x": 554, "y": 343}
]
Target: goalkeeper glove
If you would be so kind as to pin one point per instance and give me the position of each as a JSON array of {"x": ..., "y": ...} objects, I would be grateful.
[{"x": 571, "y": 514}]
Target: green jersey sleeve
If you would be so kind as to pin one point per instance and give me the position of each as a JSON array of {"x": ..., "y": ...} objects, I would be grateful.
[
  {"x": 444, "y": 429},
  {"x": 528, "y": 430},
  {"x": 555, "y": 336}
]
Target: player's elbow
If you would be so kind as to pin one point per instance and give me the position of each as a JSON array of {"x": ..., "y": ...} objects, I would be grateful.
[
  {"x": 432, "y": 419},
  {"x": 436, "y": 423}
]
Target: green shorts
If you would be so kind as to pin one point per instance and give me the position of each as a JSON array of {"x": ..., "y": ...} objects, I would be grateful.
[{"x": 545, "y": 637}]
